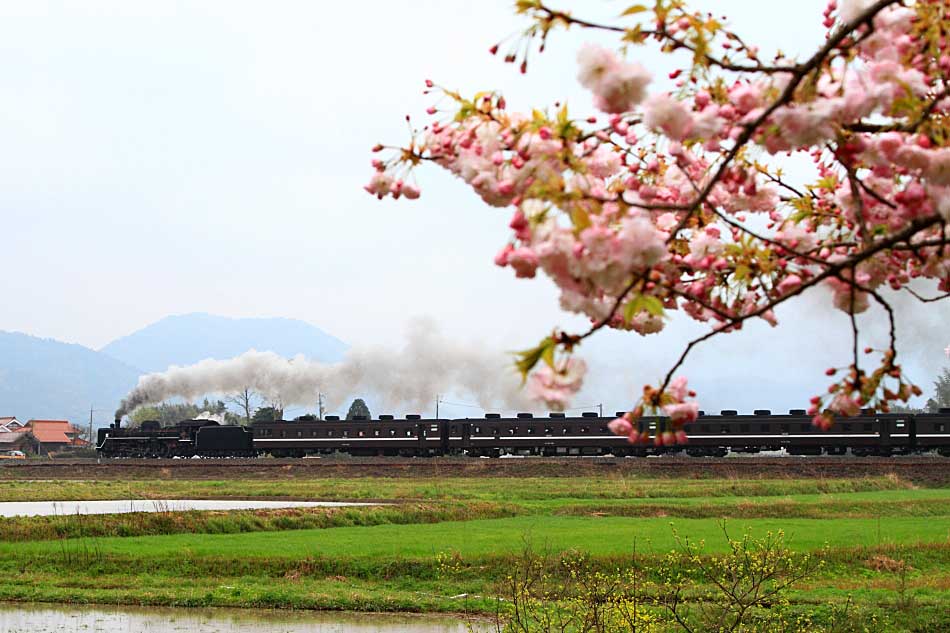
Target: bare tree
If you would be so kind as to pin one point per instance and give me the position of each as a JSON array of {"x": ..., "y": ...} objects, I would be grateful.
[{"x": 245, "y": 401}]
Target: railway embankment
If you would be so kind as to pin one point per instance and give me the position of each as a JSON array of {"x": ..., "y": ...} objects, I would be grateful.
[{"x": 921, "y": 470}]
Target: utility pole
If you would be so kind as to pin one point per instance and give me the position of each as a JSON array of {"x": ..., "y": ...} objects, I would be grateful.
[
  {"x": 601, "y": 407},
  {"x": 437, "y": 398},
  {"x": 92, "y": 409}
]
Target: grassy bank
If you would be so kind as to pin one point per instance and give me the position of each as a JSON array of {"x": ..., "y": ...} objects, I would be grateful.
[
  {"x": 448, "y": 544},
  {"x": 603, "y": 536},
  {"x": 523, "y": 490}
]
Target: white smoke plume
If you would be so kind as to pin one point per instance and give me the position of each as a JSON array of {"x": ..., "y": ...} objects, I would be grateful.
[
  {"x": 207, "y": 415},
  {"x": 427, "y": 365}
]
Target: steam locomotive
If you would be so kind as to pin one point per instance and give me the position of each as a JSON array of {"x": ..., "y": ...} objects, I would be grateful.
[{"x": 555, "y": 435}]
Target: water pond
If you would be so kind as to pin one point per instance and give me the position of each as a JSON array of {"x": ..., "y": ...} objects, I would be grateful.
[
  {"x": 36, "y": 618},
  {"x": 121, "y": 506}
]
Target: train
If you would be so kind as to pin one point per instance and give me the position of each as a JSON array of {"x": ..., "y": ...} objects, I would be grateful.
[{"x": 555, "y": 435}]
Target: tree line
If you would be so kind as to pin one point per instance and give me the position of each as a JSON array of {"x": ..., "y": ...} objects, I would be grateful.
[{"x": 250, "y": 408}]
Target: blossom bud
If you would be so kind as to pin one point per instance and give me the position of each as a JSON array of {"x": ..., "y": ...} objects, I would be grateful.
[
  {"x": 620, "y": 426},
  {"x": 501, "y": 259}
]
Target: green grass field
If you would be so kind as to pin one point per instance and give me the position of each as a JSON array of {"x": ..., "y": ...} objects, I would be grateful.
[
  {"x": 393, "y": 557},
  {"x": 604, "y": 536}
]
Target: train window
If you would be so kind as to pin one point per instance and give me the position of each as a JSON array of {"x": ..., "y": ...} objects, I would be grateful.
[
  {"x": 868, "y": 426},
  {"x": 330, "y": 433},
  {"x": 392, "y": 432},
  {"x": 940, "y": 427},
  {"x": 452, "y": 429},
  {"x": 434, "y": 427},
  {"x": 346, "y": 433},
  {"x": 603, "y": 429},
  {"x": 375, "y": 432},
  {"x": 652, "y": 426},
  {"x": 477, "y": 429},
  {"x": 743, "y": 428},
  {"x": 283, "y": 433},
  {"x": 585, "y": 429},
  {"x": 547, "y": 430},
  {"x": 299, "y": 433},
  {"x": 512, "y": 430},
  {"x": 565, "y": 430},
  {"x": 900, "y": 424},
  {"x": 359, "y": 434},
  {"x": 408, "y": 432}
]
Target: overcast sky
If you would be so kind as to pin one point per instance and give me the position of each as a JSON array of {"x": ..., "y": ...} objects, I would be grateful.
[{"x": 161, "y": 158}]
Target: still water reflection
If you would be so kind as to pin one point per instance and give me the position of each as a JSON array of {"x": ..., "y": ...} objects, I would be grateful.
[{"x": 101, "y": 619}]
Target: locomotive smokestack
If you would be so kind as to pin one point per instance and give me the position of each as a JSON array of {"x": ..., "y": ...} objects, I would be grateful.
[{"x": 118, "y": 421}]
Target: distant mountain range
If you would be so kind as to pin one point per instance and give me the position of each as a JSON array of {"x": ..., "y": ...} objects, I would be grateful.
[
  {"x": 189, "y": 338},
  {"x": 44, "y": 378},
  {"x": 47, "y": 379}
]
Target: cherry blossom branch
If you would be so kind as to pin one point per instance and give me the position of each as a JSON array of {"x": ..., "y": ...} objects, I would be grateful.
[{"x": 833, "y": 270}]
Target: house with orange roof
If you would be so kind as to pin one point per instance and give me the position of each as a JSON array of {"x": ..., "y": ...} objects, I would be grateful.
[
  {"x": 9, "y": 424},
  {"x": 54, "y": 435}
]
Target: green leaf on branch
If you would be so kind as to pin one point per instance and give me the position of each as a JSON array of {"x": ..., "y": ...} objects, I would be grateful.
[
  {"x": 580, "y": 218},
  {"x": 528, "y": 358},
  {"x": 642, "y": 303},
  {"x": 633, "y": 10}
]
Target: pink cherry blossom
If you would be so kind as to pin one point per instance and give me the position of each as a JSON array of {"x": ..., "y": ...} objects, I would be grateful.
[
  {"x": 663, "y": 113},
  {"x": 556, "y": 386},
  {"x": 618, "y": 86},
  {"x": 524, "y": 261},
  {"x": 672, "y": 205},
  {"x": 849, "y": 10},
  {"x": 620, "y": 426},
  {"x": 682, "y": 412}
]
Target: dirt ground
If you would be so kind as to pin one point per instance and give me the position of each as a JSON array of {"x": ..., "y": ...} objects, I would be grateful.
[{"x": 924, "y": 471}]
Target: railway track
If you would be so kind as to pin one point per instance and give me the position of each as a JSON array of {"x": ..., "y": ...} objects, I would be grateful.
[{"x": 922, "y": 470}]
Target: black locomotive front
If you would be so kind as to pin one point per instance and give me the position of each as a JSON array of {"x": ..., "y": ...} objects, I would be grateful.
[{"x": 188, "y": 438}]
